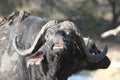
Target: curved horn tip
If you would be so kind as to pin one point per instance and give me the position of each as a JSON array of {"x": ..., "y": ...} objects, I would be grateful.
[
  {"x": 20, "y": 51},
  {"x": 97, "y": 57}
]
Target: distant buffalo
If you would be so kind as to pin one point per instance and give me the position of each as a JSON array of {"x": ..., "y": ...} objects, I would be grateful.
[{"x": 44, "y": 49}]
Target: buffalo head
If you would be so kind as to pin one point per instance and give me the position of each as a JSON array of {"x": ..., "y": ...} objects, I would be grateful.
[{"x": 60, "y": 50}]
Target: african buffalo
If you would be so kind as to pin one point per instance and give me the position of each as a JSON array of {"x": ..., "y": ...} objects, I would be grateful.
[{"x": 43, "y": 49}]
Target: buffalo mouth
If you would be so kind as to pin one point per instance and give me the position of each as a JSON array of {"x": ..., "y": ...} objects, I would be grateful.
[{"x": 59, "y": 46}]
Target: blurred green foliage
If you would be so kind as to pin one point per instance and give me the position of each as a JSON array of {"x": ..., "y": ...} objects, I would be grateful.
[
  {"x": 6, "y": 6},
  {"x": 92, "y": 16}
]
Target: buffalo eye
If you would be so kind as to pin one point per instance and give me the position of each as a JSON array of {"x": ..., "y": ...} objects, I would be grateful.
[
  {"x": 49, "y": 33},
  {"x": 67, "y": 32},
  {"x": 67, "y": 35}
]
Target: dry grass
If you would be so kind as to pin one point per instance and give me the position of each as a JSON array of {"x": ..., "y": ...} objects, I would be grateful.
[{"x": 112, "y": 73}]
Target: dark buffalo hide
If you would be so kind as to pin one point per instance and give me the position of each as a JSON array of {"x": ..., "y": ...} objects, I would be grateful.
[{"x": 42, "y": 49}]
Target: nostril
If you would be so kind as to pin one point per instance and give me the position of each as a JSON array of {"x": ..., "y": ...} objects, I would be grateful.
[{"x": 64, "y": 38}]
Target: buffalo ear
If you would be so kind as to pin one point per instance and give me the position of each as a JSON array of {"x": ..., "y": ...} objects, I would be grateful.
[{"x": 36, "y": 58}]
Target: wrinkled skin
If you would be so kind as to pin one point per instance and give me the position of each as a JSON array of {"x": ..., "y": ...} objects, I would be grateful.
[
  {"x": 55, "y": 57},
  {"x": 61, "y": 56}
]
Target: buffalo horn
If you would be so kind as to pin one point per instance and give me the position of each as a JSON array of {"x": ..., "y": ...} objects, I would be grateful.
[
  {"x": 97, "y": 57},
  {"x": 84, "y": 49},
  {"x": 37, "y": 39},
  {"x": 90, "y": 57}
]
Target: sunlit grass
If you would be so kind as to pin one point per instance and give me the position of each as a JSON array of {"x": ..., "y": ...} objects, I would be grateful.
[{"x": 111, "y": 73}]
